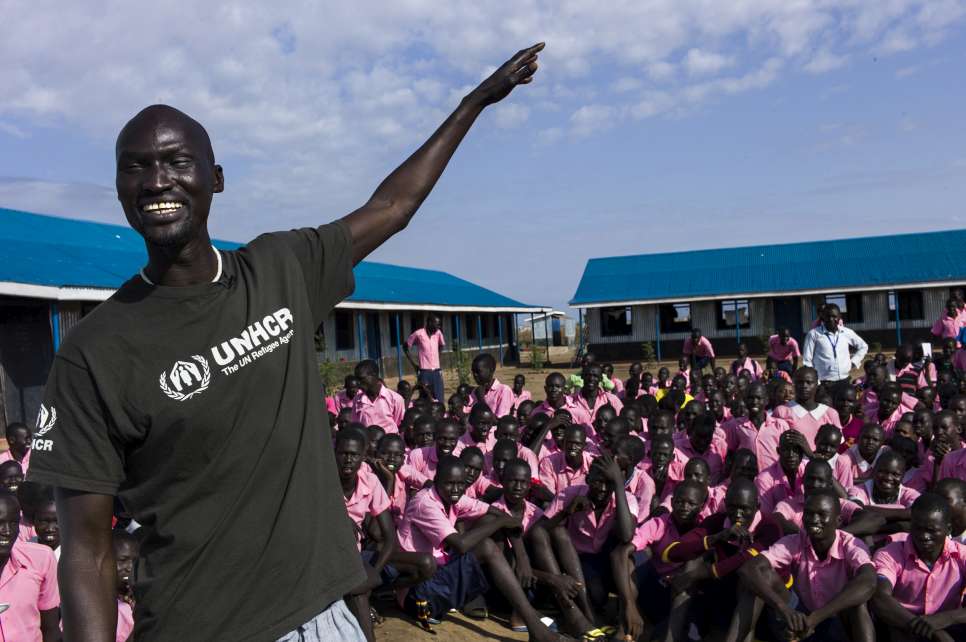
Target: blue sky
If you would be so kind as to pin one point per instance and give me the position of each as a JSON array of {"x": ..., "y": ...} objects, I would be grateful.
[{"x": 652, "y": 126}]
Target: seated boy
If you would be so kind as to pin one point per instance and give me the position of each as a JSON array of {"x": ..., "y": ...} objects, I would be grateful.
[
  {"x": 701, "y": 443},
  {"x": 508, "y": 428},
  {"x": 921, "y": 579},
  {"x": 393, "y": 473},
  {"x": 642, "y": 579},
  {"x": 831, "y": 576},
  {"x": 954, "y": 492},
  {"x": 422, "y": 462},
  {"x": 516, "y": 482},
  {"x": 827, "y": 443},
  {"x": 805, "y": 414},
  {"x": 480, "y": 429},
  {"x": 476, "y": 482},
  {"x": 429, "y": 526},
  {"x": 569, "y": 466},
  {"x": 859, "y": 458},
  {"x": 11, "y": 476},
  {"x": 595, "y": 517},
  {"x": 756, "y": 431},
  {"x": 782, "y": 479},
  {"x": 29, "y": 584},
  {"x": 818, "y": 477}
]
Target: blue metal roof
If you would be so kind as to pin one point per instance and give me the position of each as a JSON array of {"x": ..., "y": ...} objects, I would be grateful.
[
  {"x": 36, "y": 249},
  {"x": 761, "y": 269}
]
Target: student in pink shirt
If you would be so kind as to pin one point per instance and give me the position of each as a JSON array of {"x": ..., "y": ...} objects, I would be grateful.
[
  {"x": 125, "y": 558},
  {"x": 617, "y": 386},
  {"x": 520, "y": 394},
  {"x": 28, "y": 582},
  {"x": 784, "y": 350},
  {"x": 589, "y": 399},
  {"x": 430, "y": 526},
  {"x": 596, "y": 515},
  {"x": 701, "y": 443},
  {"x": 555, "y": 389},
  {"x": 18, "y": 440},
  {"x": 477, "y": 484},
  {"x": 953, "y": 465},
  {"x": 697, "y": 470},
  {"x": 954, "y": 492},
  {"x": 756, "y": 431},
  {"x": 498, "y": 396},
  {"x": 818, "y": 477},
  {"x": 922, "y": 579},
  {"x": 782, "y": 479},
  {"x": 428, "y": 341},
  {"x": 421, "y": 463},
  {"x": 421, "y": 431},
  {"x": 684, "y": 370},
  {"x": 833, "y": 578},
  {"x": 745, "y": 362},
  {"x": 508, "y": 428},
  {"x": 948, "y": 325},
  {"x": 805, "y": 414},
  {"x": 389, "y": 466},
  {"x": 569, "y": 466},
  {"x": 860, "y": 457},
  {"x": 479, "y": 433},
  {"x": 698, "y": 350},
  {"x": 376, "y": 404},
  {"x": 516, "y": 481},
  {"x": 343, "y": 398},
  {"x": 884, "y": 495},
  {"x": 661, "y": 467},
  {"x": 846, "y": 404},
  {"x": 11, "y": 477},
  {"x": 642, "y": 580}
]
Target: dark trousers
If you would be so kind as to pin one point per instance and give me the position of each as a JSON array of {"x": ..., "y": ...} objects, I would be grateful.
[
  {"x": 836, "y": 388},
  {"x": 433, "y": 379}
]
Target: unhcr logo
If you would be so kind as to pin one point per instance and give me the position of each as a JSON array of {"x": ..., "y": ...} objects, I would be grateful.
[{"x": 186, "y": 378}]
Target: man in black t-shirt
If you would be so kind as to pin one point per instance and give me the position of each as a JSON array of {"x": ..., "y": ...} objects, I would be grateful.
[{"x": 192, "y": 394}]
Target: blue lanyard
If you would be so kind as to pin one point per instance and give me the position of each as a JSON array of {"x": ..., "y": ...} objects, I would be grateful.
[{"x": 834, "y": 345}]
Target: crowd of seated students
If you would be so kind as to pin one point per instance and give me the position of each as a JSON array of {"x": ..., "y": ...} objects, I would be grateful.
[{"x": 736, "y": 503}]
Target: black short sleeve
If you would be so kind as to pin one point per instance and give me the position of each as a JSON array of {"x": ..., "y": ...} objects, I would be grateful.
[
  {"x": 325, "y": 254},
  {"x": 73, "y": 446}
]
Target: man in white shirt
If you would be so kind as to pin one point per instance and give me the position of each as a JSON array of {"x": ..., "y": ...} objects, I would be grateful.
[{"x": 833, "y": 350}]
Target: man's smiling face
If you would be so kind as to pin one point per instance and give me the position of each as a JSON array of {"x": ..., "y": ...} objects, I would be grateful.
[{"x": 166, "y": 176}]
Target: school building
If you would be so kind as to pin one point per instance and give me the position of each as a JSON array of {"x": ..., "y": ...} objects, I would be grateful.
[
  {"x": 890, "y": 289},
  {"x": 53, "y": 271}
]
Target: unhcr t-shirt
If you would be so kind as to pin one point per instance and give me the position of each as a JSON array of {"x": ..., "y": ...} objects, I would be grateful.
[{"x": 199, "y": 407}]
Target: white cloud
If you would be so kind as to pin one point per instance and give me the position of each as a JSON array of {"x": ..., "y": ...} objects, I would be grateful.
[
  {"x": 591, "y": 118},
  {"x": 824, "y": 61},
  {"x": 699, "y": 62},
  {"x": 510, "y": 115}
]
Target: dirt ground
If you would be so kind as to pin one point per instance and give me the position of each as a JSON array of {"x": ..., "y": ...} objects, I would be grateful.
[{"x": 455, "y": 627}]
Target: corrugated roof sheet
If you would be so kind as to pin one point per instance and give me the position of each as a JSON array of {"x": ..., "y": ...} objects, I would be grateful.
[
  {"x": 45, "y": 250},
  {"x": 842, "y": 263}
]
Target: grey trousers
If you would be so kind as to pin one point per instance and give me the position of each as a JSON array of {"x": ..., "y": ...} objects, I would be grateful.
[{"x": 335, "y": 623}]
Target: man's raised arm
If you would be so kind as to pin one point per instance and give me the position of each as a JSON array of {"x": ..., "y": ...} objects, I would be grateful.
[
  {"x": 87, "y": 573},
  {"x": 402, "y": 192}
]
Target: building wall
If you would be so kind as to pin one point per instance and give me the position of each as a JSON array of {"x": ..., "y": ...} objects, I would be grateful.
[{"x": 878, "y": 325}]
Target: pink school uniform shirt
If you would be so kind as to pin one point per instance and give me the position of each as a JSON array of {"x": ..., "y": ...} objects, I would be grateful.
[
  {"x": 520, "y": 398},
  {"x": 125, "y": 621},
  {"x": 713, "y": 504},
  {"x": 953, "y": 465},
  {"x": 369, "y": 498},
  {"x": 428, "y": 522},
  {"x": 946, "y": 327},
  {"x": 740, "y": 432},
  {"x": 658, "y": 534},
  {"x": 531, "y": 512},
  {"x": 773, "y": 486},
  {"x": 399, "y": 496},
  {"x": 642, "y": 487},
  {"x": 586, "y": 413},
  {"x": 587, "y": 533},
  {"x": 919, "y": 589},
  {"x": 467, "y": 439},
  {"x": 842, "y": 470},
  {"x": 28, "y": 584},
  {"x": 817, "y": 581},
  {"x": 523, "y": 453},
  {"x": 499, "y": 398},
  {"x": 783, "y": 351},
  {"x": 618, "y": 387},
  {"x": 808, "y": 422},
  {"x": 751, "y": 366},
  {"x": 385, "y": 411},
  {"x": 556, "y": 475},
  {"x": 8, "y": 456},
  {"x": 420, "y": 466},
  {"x": 714, "y": 456},
  {"x": 863, "y": 494},
  {"x": 703, "y": 349},
  {"x": 859, "y": 467},
  {"x": 428, "y": 347}
]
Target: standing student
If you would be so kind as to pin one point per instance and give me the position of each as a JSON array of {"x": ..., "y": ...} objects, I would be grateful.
[
  {"x": 922, "y": 578},
  {"x": 829, "y": 349},
  {"x": 429, "y": 526},
  {"x": 428, "y": 341},
  {"x": 498, "y": 396},
  {"x": 756, "y": 431},
  {"x": 698, "y": 350},
  {"x": 29, "y": 583},
  {"x": 745, "y": 362},
  {"x": 805, "y": 414},
  {"x": 950, "y": 323},
  {"x": 783, "y": 350},
  {"x": 833, "y": 578},
  {"x": 376, "y": 404}
]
